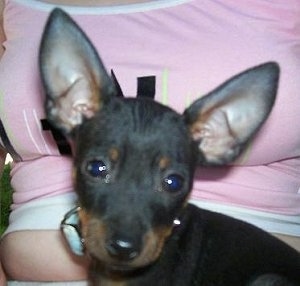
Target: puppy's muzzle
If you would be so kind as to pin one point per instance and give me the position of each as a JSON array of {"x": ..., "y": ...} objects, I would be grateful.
[{"x": 84, "y": 233}]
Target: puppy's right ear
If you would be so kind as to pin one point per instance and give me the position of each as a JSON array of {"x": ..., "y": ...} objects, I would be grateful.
[{"x": 74, "y": 78}]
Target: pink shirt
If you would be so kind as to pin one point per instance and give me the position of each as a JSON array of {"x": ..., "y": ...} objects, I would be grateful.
[{"x": 188, "y": 47}]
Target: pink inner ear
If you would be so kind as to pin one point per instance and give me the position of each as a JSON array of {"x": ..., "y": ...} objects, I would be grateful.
[
  {"x": 223, "y": 121},
  {"x": 215, "y": 125},
  {"x": 77, "y": 100},
  {"x": 85, "y": 109},
  {"x": 85, "y": 98},
  {"x": 216, "y": 139},
  {"x": 72, "y": 72},
  {"x": 199, "y": 131}
]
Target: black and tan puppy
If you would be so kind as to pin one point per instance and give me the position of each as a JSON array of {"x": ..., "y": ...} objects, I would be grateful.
[{"x": 134, "y": 161}]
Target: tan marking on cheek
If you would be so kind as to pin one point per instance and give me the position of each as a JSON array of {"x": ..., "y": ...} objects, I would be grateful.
[
  {"x": 154, "y": 242},
  {"x": 95, "y": 237},
  {"x": 162, "y": 233},
  {"x": 93, "y": 232},
  {"x": 84, "y": 218}
]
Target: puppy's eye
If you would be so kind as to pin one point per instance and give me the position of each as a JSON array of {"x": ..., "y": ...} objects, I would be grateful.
[
  {"x": 173, "y": 183},
  {"x": 97, "y": 169}
]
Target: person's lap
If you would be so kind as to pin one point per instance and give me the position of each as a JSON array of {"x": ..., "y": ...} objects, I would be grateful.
[
  {"x": 293, "y": 241},
  {"x": 40, "y": 256},
  {"x": 44, "y": 256}
]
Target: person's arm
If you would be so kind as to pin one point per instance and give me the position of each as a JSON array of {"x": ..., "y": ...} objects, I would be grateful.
[
  {"x": 2, "y": 35},
  {"x": 2, "y": 152},
  {"x": 2, "y": 160},
  {"x": 2, "y": 39}
]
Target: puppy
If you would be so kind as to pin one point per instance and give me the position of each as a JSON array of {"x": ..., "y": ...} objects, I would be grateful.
[{"x": 134, "y": 162}]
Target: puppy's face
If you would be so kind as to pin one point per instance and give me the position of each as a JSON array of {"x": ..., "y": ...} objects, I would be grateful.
[
  {"x": 133, "y": 173},
  {"x": 134, "y": 158}
]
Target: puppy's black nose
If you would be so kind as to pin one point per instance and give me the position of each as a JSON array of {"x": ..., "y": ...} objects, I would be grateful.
[{"x": 122, "y": 249}]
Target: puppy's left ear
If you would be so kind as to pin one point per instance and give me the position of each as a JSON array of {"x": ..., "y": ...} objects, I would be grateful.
[
  {"x": 223, "y": 121},
  {"x": 74, "y": 78}
]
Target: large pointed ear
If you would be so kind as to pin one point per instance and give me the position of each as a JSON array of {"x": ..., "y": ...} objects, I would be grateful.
[
  {"x": 223, "y": 121},
  {"x": 73, "y": 75}
]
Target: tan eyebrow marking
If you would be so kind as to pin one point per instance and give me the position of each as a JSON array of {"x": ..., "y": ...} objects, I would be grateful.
[{"x": 164, "y": 162}]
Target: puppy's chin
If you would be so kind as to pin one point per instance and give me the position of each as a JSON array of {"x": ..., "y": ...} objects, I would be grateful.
[{"x": 123, "y": 269}]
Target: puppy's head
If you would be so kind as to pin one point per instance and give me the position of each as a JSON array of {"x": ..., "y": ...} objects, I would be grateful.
[{"x": 134, "y": 159}]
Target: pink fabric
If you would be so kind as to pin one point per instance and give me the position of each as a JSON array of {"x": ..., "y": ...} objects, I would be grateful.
[{"x": 190, "y": 48}]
